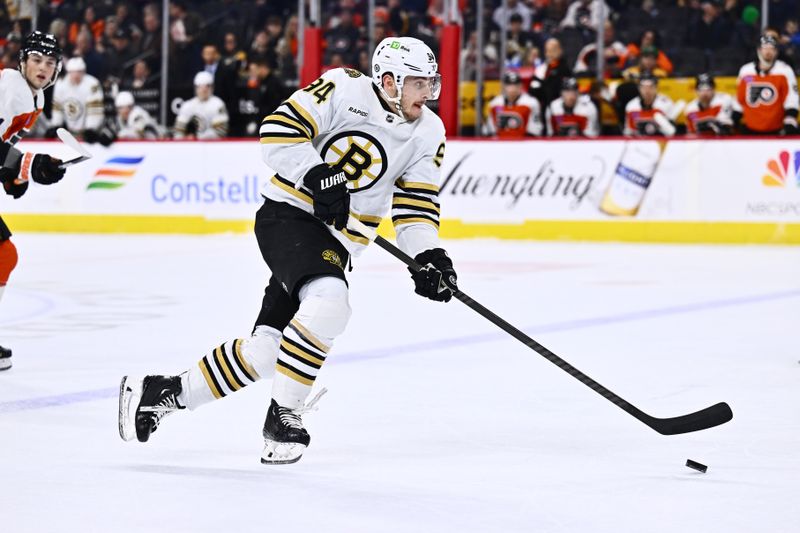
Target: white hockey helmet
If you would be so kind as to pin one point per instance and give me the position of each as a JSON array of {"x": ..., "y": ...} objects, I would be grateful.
[
  {"x": 203, "y": 78},
  {"x": 124, "y": 99},
  {"x": 401, "y": 57},
  {"x": 76, "y": 64}
]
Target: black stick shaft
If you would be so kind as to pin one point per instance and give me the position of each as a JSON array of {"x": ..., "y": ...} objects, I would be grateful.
[
  {"x": 706, "y": 418},
  {"x": 523, "y": 338}
]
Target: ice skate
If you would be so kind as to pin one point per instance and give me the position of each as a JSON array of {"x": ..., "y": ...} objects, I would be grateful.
[
  {"x": 144, "y": 402},
  {"x": 5, "y": 358},
  {"x": 285, "y": 438}
]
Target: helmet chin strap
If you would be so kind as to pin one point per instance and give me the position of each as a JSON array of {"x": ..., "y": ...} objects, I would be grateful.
[{"x": 395, "y": 101}]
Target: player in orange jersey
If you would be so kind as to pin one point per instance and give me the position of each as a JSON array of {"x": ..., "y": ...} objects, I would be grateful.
[
  {"x": 514, "y": 114},
  {"x": 766, "y": 99}
]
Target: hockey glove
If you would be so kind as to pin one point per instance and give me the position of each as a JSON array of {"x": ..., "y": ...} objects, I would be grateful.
[
  {"x": 43, "y": 169},
  {"x": 15, "y": 188},
  {"x": 436, "y": 280},
  {"x": 790, "y": 128},
  {"x": 331, "y": 199}
]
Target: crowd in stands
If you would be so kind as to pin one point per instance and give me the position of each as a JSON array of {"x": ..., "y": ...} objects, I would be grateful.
[{"x": 249, "y": 47}]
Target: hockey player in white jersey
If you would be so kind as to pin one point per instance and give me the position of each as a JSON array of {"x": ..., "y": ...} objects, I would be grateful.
[
  {"x": 204, "y": 116},
  {"x": 78, "y": 101},
  {"x": 133, "y": 122},
  {"x": 343, "y": 146},
  {"x": 21, "y": 103},
  {"x": 711, "y": 113},
  {"x": 572, "y": 114}
]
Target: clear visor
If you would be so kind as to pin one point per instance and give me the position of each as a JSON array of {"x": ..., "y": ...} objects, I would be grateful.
[{"x": 420, "y": 85}]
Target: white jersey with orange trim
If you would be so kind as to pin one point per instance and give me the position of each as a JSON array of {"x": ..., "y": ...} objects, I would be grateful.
[
  {"x": 766, "y": 98},
  {"x": 640, "y": 119},
  {"x": 19, "y": 106},
  {"x": 78, "y": 107},
  {"x": 710, "y": 119},
  {"x": 209, "y": 118},
  {"x": 581, "y": 120},
  {"x": 391, "y": 164}
]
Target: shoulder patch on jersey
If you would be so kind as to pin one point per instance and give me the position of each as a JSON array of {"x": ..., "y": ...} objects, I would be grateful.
[
  {"x": 333, "y": 258},
  {"x": 353, "y": 73}
]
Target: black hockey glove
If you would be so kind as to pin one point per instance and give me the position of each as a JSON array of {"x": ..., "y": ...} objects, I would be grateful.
[
  {"x": 15, "y": 189},
  {"x": 45, "y": 169},
  {"x": 331, "y": 199},
  {"x": 790, "y": 128},
  {"x": 437, "y": 280}
]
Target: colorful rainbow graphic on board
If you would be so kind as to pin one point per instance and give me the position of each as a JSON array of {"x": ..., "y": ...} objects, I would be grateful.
[
  {"x": 779, "y": 170},
  {"x": 115, "y": 172}
]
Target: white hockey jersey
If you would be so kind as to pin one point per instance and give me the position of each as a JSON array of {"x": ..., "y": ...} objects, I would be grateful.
[
  {"x": 209, "y": 118},
  {"x": 712, "y": 118},
  {"x": 640, "y": 120},
  {"x": 19, "y": 106},
  {"x": 514, "y": 120},
  {"x": 139, "y": 125},
  {"x": 581, "y": 120},
  {"x": 391, "y": 164},
  {"x": 78, "y": 107}
]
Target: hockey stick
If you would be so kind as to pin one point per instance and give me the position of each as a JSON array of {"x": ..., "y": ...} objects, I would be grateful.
[
  {"x": 706, "y": 418},
  {"x": 67, "y": 138}
]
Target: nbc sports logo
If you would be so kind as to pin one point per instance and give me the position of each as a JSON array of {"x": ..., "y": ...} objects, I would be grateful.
[
  {"x": 115, "y": 173},
  {"x": 779, "y": 170}
]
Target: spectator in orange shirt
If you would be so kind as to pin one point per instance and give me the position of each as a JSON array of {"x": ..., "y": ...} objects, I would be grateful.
[{"x": 648, "y": 38}]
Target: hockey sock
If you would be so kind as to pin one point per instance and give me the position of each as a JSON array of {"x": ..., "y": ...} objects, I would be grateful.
[
  {"x": 322, "y": 316},
  {"x": 230, "y": 367}
]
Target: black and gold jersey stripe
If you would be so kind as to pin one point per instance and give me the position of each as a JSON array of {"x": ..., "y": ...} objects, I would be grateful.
[
  {"x": 417, "y": 187},
  {"x": 302, "y": 193},
  {"x": 415, "y": 218}
]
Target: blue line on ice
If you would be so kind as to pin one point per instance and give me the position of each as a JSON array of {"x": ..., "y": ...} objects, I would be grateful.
[{"x": 569, "y": 325}]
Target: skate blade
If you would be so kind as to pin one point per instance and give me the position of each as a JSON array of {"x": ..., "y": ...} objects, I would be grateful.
[
  {"x": 281, "y": 453},
  {"x": 130, "y": 392},
  {"x": 5, "y": 364}
]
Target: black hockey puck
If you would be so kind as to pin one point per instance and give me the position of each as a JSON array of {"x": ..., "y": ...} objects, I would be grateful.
[{"x": 700, "y": 467}]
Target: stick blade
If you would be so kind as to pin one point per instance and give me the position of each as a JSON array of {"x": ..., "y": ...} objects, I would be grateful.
[
  {"x": 709, "y": 417},
  {"x": 68, "y": 139}
]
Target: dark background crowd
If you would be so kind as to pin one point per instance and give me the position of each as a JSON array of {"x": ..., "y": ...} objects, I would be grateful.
[{"x": 250, "y": 47}]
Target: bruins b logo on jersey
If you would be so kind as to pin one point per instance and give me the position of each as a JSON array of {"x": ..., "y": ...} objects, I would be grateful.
[
  {"x": 333, "y": 258},
  {"x": 761, "y": 93},
  {"x": 359, "y": 154}
]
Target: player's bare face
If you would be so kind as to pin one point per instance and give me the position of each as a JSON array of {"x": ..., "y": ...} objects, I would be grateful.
[
  {"x": 203, "y": 92},
  {"x": 76, "y": 76},
  {"x": 39, "y": 70},
  {"x": 768, "y": 53},
  {"x": 512, "y": 91},
  {"x": 705, "y": 94},
  {"x": 416, "y": 91},
  {"x": 570, "y": 97},
  {"x": 124, "y": 111},
  {"x": 648, "y": 92}
]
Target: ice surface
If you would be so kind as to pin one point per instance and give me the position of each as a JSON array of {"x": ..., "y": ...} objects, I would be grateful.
[{"x": 435, "y": 420}]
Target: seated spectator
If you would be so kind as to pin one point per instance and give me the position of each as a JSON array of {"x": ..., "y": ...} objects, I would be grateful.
[
  {"x": 90, "y": 22},
  {"x": 274, "y": 29},
  {"x": 120, "y": 53},
  {"x": 710, "y": 27},
  {"x": 527, "y": 68},
  {"x": 518, "y": 34},
  {"x": 648, "y": 62},
  {"x": 573, "y": 114},
  {"x": 710, "y": 114},
  {"x": 132, "y": 121},
  {"x": 584, "y": 15},
  {"x": 650, "y": 113},
  {"x": 204, "y": 116},
  {"x": 343, "y": 39},
  {"x": 614, "y": 52},
  {"x": 649, "y": 38},
  {"x": 94, "y": 60},
  {"x": 513, "y": 114},
  {"x": 502, "y": 18},
  {"x": 146, "y": 90},
  {"x": 548, "y": 77},
  {"x": 287, "y": 51},
  {"x": 790, "y": 41},
  {"x": 233, "y": 57}
]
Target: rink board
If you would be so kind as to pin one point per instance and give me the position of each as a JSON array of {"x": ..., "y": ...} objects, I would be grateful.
[{"x": 691, "y": 191}]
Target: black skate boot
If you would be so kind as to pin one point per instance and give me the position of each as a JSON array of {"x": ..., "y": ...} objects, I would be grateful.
[
  {"x": 285, "y": 438},
  {"x": 144, "y": 402},
  {"x": 5, "y": 358}
]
